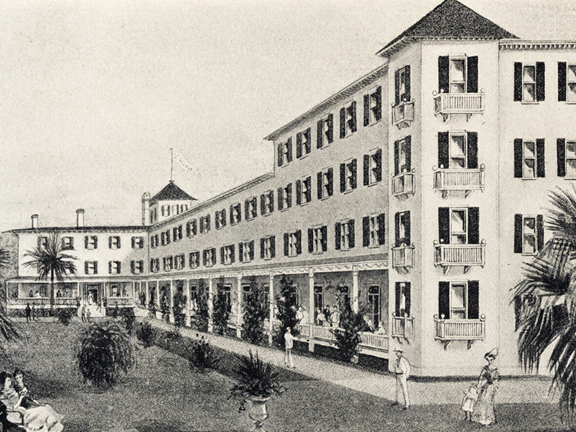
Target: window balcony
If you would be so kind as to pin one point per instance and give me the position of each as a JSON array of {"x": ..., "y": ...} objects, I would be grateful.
[
  {"x": 467, "y": 255},
  {"x": 403, "y": 114},
  {"x": 403, "y": 184},
  {"x": 402, "y": 327},
  {"x": 403, "y": 258},
  {"x": 448, "y": 330},
  {"x": 466, "y": 180},
  {"x": 448, "y": 104}
]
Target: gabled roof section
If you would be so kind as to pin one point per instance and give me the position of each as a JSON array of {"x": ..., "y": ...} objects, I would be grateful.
[
  {"x": 171, "y": 192},
  {"x": 449, "y": 20}
]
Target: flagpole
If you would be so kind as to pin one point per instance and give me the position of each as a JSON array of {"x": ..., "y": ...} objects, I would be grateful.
[{"x": 171, "y": 164}]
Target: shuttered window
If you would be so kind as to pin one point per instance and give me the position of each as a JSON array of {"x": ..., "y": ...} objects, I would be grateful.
[
  {"x": 373, "y": 106},
  {"x": 373, "y": 167},
  {"x": 373, "y": 230},
  {"x": 458, "y": 300},
  {"x": 325, "y": 131},
  {"x": 457, "y": 74},
  {"x": 459, "y": 225},
  {"x": 303, "y": 143},
  {"x": 529, "y": 82},
  {"x": 529, "y": 158},
  {"x": 458, "y": 150},
  {"x": 528, "y": 234}
]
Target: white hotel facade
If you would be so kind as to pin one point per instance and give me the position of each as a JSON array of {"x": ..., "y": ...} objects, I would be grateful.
[{"x": 419, "y": 190}]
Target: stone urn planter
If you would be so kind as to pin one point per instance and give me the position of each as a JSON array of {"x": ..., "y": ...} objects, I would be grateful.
[{"x": 258, "y": 412}]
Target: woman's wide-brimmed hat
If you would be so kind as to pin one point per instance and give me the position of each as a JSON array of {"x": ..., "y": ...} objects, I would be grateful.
[{"x": 493, "y": 353}]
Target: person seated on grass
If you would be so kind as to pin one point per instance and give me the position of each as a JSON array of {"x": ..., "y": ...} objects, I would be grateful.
[
  {"x": 20, "y": 387},
  {"x": 38, "y": 418}
]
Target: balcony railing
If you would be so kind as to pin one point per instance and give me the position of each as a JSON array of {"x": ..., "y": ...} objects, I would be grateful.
[
  {"x": 403, "y": 258},
  {"x": 466, "y": 180},
  {"x": 403, "y": 327},
  {"x": 403, "y": 114},
  {"x": 467, "y": 255},
  {"x": 374, "y": 340},
  {"x": 447, "y": 104},
  {"x": 120, "y": 301},
  {"x": 448, "y": 330},
  {"x": 403, "y": 184}
]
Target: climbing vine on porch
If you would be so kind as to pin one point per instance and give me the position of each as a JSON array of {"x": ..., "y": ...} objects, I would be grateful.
[{"x": 255, "y": 311}]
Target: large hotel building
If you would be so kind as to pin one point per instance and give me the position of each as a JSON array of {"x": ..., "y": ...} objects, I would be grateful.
[{"x": 416, "y": 192}]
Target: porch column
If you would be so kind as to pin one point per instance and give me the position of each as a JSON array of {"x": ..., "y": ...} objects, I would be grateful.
[
  {"x": 239, "y": 307},
  {"x": 146, "y": 294},
  {"x": 311, "y": 283},
  {"x": 271, "y": 308},
  {"x": 187, "y": 311},
  {"x": 355, "y": 289},
  {"x": 157, "y": 297},
  {"x": 171, "y": 312},
  {"x": 210, "y": 303}
]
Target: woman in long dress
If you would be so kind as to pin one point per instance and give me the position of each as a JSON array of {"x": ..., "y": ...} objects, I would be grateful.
[
  {"x": 488, "y": 383},
  {"x": 35, "y": 418}
]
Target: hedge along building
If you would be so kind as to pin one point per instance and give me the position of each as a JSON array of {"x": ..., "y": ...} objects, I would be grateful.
[{"x": 404, "y": 193}]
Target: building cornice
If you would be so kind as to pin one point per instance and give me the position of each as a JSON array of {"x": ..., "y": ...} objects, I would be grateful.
[
  {"x": 516, "y": 44},
  {"x": 85, "y": 229}
]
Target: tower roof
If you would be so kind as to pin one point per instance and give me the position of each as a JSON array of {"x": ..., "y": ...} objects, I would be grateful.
[
  {"x": 171, "y": 192},
  {"x": 450, "y": 20}
]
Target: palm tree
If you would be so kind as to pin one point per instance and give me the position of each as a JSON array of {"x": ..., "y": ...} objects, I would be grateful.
[
  {"x": 9, "y": 331},
  {"x": 50, "y": 262}
]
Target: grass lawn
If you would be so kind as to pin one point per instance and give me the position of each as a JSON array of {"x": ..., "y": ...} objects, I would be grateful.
[{"x": 162, "y": 395}]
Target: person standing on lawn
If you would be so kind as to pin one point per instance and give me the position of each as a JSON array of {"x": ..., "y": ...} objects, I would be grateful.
[
  {"x": 402, "y": 370},
  {"x": 288, "y": 345},
  {"x": 28, "y": 312}
]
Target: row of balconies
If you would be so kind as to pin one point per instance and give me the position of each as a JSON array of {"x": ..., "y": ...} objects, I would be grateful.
[{"x": 445, "y": 180}]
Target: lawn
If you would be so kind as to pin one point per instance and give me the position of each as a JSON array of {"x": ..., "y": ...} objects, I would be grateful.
[{"x": 162, "y": 395}]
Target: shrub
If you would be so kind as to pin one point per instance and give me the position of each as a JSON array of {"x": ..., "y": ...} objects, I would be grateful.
[
  {"x": 221, "y": 312},
  {"x": 129, "y": 317},
  {"x": 286, "y": 303},
  {"x": 202, "y": 313},
  {"x": 165, "y": 310},
  {"x": 65, "y": 315},
  {"x": 348, "y": 334},
  {"x": 254, "y": 314},
  {"x": 152, "y": 309},
  {"x": 104, "y": 353},
  {"x": 146, "y": 334},
  {"x": 178, "y": 308},
  {"x": 201, "y": 356}
]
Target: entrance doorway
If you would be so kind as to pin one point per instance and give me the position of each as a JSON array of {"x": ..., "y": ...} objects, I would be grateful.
[{"x": 93, "y": 294}]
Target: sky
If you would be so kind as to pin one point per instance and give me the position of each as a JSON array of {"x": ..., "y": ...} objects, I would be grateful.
[{"x": 93, "y": 95}]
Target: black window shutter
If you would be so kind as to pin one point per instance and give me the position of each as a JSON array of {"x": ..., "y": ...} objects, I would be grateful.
[
  {"x": 561, "y": 81},
  {"x": 517, "y": 233},
  {"x": 354, "y": 123},
  {"x": 309, "y": 189},
  {"x": 330, "y": 181},
  {"x": 408, "y": 155},
  {"x": 366, "y": 109},
  {"x": 377, "y": 104},
  {"x": 262, "y": 240},
  {"x": 517, "y": 81},
  {"x": 232, "y": 253},
  {"x": 397, "y": 229},
  {"x": 289, "y": 195},
  {"x": 378, "y": 165},
  {"x": 398, "y": 292},
  {"x": 540, "y": 232},
  {"x": 407, "y": 299},
  {"x": 397, "y": 87},
  {"x": 286, "y": 241},
  {"x": 222, "y": 255},
  {"x": 407, "y": 228},
  {"x": 473, "y": 225},
  {"x": 85, "y": 242},
  {"x": 342, "y": 177},
  {"x": 381, "y": 231},
  {"x": 473, "y": 300},
  {"x": 407, "y": 90},
  {"x": 330, "y": 128},
  {"x": 299, "y": 145},
  {"x": 289, "y": 145},
  {"x": 444, "y": 300},
  {"x": 337, "y": 228},
  {"x": 443, "y": 77},
  {"x": 472, "y": 78},
  {"x": 319, "y": 133},
  {"x": 271, "y": 195},
  {"x": 444, "y": 225},
  {"x": 443, "y": 152},
  {"x": 366, "y": 231},
  {"x": 308, "y": 143},
  {"x": 262, "y": 204},
  {"x": 132, "y": 266},
  {"x": 251, "y": 250},
  {"x": 342, "y": 122},
  {"x": 561, "y": 156},
  {"x": 96, "y": 243},
  {"x": 310, "y": 240},
  {"x": 213, "y": 256},
  {"x": 472, "y": 143},
  {"x": 273, "y": 246},
  {"x": 109, "y": 242},
  {"x": 280, "y": 198},
  {"x": 352, "y": 238},
  {"x": 396, "y": 157},
  {"x": 319, "y": 177},
  {"x": 540, "y": 81},
  {"x": 298, "y": 192},
  {"x": 518, "y": 158},
  {"x": 85, "y": 267},
  {"x": 366, "y": 170},
  {"x": 324, "y": 230},
  {"x": 540, "y": 163},
  {"x": 298, "y": 242},
  {"x": 354, "y": 172},
  {"x": 280, "y": 155},
  {"x": 240, "y": 252}
]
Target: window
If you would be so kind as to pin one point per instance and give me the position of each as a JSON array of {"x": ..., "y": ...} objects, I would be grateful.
[
  {"x": 325, "y": 132},
  {"x": 402, "y": 307},
  {"x": 250, "y": 208},
  {"x": 177, "y": 233},
  {"x": 91, "y": 267},
  {"x": 194, "y": 259},
  {"x": 304, "y": 191},
  {"x": 285, "y": 152},
  {"x": 114, "y": 267},
  {"x": 268, "y": 247},
  {"x": 137, "y": 267},
  {"x": 566, "y": 152},
  {"x": 373, "y": 233},
  {"x": 303, "y": 143},
  {"x": 226, "y": 290},
  {"x": 374, "y": 304},
  {"x": 168, "y": 263},
  {"x": 402, "y": 85},
  {"x": 165, "y": 237},
  {"x": 566, "y": 82},
  {"x": 528, "y": 234},
  {"x": 348, "y": 120},
  {"x": 179, "y": 262},
  {"x": 227, "y": 255},
  {"x": 191, "y": 228},
  {"x": 402, "y": 228},
  {"x": 267, "y": 203},
  {"x": 318, "y": 299},
  {"x": 529, "y": 82},
  {"x": 348, "y": 179},
  {"x": 209, "y": 257},
  {"x": 457, "y": 74},
  {"x": 220, "y": 218},
  {"x": 235, "y": 213},
  {"x": 373, "y": 167},
  {"x": 529, "y": 158},
  {"x": 458, "y": 300},
  {"x": 458, "y": 225},
  {"x": 137, "y": 242},
  {"x": 458, "y": 150},
  {"x": 318, "y": 239},
  {"x": 204, "y": 224},
  {"x": 402, "y": 155},
  {"x": 373, "y": 106},
  {"x": 91, "y": 242},
  {"x": 293, "y": 243},
  {"x": 326, "y": 183},
  {"x": 344, "y": 236},
  {"x": 246, "y": 251},
  {"x": 285, "y": 197},
  {"x": 154, "y": 241},
  {"x": 67, "y": 243},
  {"x": 154, "y": 265}
]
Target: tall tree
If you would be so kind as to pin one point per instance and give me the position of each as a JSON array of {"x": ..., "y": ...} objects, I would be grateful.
[
  {"x": 9, "y": 331},
  {"x": 255, "y": 312},
  {"x": 287, "y": 304},
  {"x": 51, "y": 262}
]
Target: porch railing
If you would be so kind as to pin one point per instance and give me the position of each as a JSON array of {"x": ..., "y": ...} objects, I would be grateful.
[
  {"x": 37, "y": 301},
  {"x": 120, "y": 301},
  {"x": 403, "y": 257},
  {"x": 446, "y": 104},
  {"x": 403, "y": 114},
  {"x": 373, "y": 340},
  {"x": 466, "y": 255},
  {"x": 459, "y": 179},
  {"x": 403, "y": 183},
  {"x": 403, "y": 326}
]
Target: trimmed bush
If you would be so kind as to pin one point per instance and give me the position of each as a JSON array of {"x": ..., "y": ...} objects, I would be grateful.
[
  {"x": 65, "y": 315},
  {"x": 129, "y": 317},
  {"x": 146, "y": 334},
  {"x": 201, "y": 356}
]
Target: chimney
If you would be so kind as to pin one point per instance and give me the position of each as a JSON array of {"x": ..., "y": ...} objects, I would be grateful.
[
  {"x": 34, "y": 221},
  {"x": 146, "y": 209},
  {"x": 80, "y": 218}
]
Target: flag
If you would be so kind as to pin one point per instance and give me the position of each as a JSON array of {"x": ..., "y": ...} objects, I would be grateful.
[{"x": 183, "y": 162}]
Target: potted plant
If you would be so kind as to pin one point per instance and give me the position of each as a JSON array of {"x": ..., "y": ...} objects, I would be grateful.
[{"x": 257, "y": 383}]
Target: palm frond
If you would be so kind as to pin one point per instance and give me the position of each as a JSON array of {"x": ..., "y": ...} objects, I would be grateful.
[
  {"x": 4, "y": 258},
  {"x": 562, "y": 216}
]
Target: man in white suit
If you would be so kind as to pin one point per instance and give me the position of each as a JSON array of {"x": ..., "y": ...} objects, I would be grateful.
[{"x": 402, "y": 370}]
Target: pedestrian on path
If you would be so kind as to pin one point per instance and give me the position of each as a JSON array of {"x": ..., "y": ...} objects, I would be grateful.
[
  {"x": 33, "y": 312},
  {"x": 402, "y": 370},
  {"x": 288, "y": 344},
  {"x": 83, "y": 313},
  {"x": 28, "y": 313}
]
